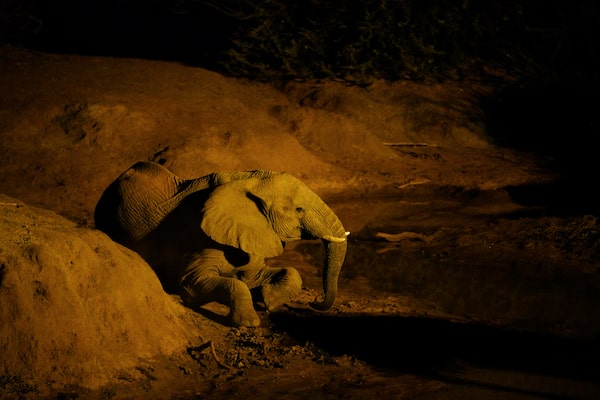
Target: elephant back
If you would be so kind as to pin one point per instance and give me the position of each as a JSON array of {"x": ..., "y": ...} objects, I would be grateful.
[{"x": 137, "y": 201}]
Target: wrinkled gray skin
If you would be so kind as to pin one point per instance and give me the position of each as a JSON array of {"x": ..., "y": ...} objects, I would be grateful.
[{"x": 208, "y": 238}]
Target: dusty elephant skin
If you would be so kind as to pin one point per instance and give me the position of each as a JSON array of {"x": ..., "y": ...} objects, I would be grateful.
[{"x": 208, "y": 238}]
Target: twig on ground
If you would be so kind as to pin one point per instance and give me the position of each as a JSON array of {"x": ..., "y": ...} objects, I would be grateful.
[
  {"x": 213, "y": 352},
  {"x": 217, "y": 359}
]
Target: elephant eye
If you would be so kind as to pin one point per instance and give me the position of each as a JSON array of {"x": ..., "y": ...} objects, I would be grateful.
[{"x": 299, "y": 209}]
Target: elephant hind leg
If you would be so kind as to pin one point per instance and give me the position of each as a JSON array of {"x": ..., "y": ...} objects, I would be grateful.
[
  {"x": 208, "y": 278},
  {"x": 277, "y": 285},
  {"x": 285, "y": 285}
]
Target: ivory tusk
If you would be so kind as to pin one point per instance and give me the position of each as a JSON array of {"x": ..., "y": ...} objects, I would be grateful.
[{"x": 335, "y": 239}]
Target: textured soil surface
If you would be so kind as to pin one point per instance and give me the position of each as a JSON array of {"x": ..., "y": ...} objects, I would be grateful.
[{"x": 473, "y": 268}]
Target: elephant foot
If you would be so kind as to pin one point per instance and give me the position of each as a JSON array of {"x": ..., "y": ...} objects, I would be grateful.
[{"x": 248, "y": 317}]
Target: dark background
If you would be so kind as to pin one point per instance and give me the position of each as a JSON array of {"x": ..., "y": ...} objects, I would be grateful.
[{"x": 428, "y": 40}]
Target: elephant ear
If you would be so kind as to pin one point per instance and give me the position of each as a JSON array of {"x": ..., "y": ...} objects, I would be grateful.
[{"x": 233, "y": 216}]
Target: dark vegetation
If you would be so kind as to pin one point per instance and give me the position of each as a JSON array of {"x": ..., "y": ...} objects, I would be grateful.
[
  {"x": 427, "y": 40},
  {"x": 430, "y": 346}
]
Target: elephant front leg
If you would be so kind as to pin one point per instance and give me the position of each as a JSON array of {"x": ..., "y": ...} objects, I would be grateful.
[{"x": 210, "y": 278}]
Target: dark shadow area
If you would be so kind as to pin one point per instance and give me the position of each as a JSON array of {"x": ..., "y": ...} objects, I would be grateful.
[
  {"x": 218, "y": 318},
  {"x": 439, "y": 348},
  {"x": 566, "y": 197},
  {"x": 188, "y": 32},
  {"x": 559, "y": 124}
]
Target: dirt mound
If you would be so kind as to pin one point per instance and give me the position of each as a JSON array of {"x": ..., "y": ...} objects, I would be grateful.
[
  {"x": 71, "y": 124},
  {"x": 77, "y": 309}
]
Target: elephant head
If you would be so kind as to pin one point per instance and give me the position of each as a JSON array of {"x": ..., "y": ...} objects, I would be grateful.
[
  {"x": 258, "y": 213},
  {"x": 255, "y": 211}
]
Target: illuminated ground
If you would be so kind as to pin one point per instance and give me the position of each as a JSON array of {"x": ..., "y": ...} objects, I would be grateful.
[{"x": 472, "y": 271}]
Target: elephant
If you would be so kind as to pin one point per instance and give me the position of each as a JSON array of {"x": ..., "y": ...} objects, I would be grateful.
[{"x": 208, "y": 238}]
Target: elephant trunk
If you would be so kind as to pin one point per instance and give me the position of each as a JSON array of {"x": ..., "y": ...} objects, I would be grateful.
[{"x": 335, "y": 252}]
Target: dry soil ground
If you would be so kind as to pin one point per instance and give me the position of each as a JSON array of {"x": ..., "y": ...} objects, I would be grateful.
[{"x": 473, "y": 265}]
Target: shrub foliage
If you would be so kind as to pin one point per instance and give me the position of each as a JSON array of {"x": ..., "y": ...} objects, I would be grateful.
[
  {"x": 356, "y": 41},
  {"x": 411, "y": 39}
]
